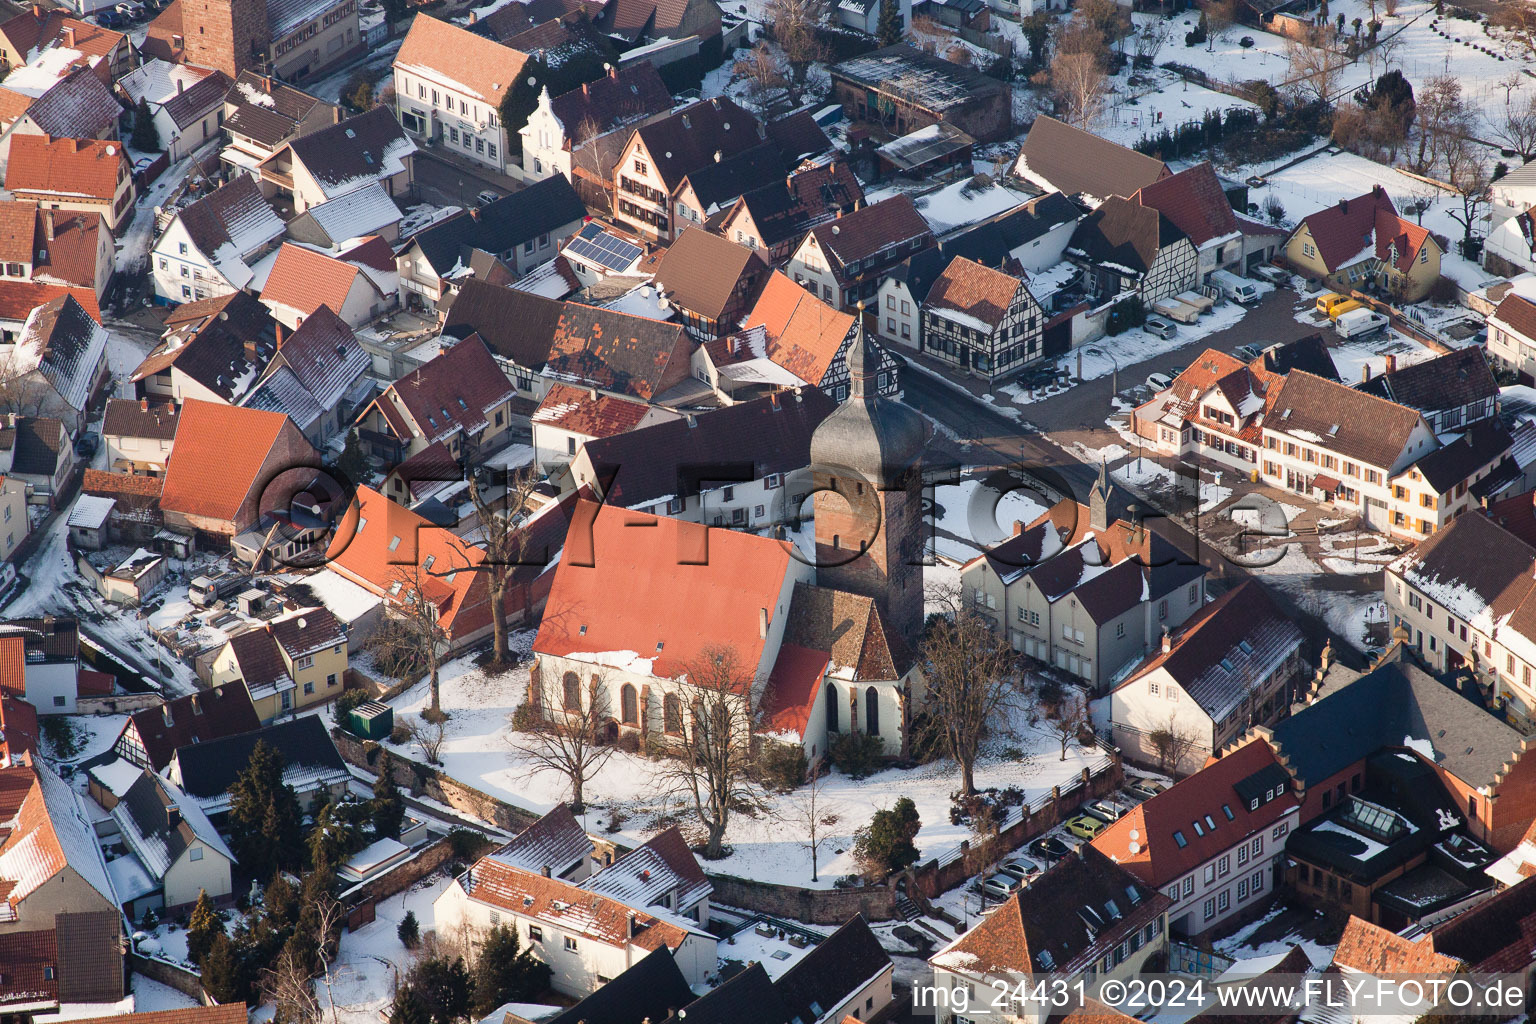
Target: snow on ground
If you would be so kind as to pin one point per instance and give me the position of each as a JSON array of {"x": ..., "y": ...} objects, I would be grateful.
[
  {"x": 478, "y": 750},
  {"x": 1241, "y": 944},
  {"x": 371, "y": 958},
  {"x": 149, "y": 996},
  {"x": 133, "y": 246},
  {"x": 972, "y": 516},
  {"x": 1351, "y": 358},
  {"x": 1100, "y": 358},
  {"x": 1148, "y": 475}
]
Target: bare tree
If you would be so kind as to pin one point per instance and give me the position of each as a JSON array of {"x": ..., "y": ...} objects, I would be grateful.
[
  {"x": 794, "y": 25},
  {"x": 327, "y": 921},
  {"x": 973, "y": 681},
  {"x": 1509, "y": 83},
  {"x": 764, "y": 74},
  {"x": 1519, "y": 21},
  {"x": 1441, "y": 115},
  {"x": 498, "y": 551},
  {"x": 1390, "y": 6},
  {"x": 1313, "y": 67},
  {"x": 429, "y": 736},
  {"x": 1172, "y": 743},
  {"x": 1069, "y": 719},
  {"x": 1152, "y": 37},
  {"x": 1077, "y": 81},
  {"x": 712, "y": 768},
  {"x": 23, "y": 390},
  {"x": 573, "y": 740},
  {"x": 413, "y": 638},
  {"x": 1516, "y": 129},
  {"x": 1219, "y": 16},
  {"x": 288, "y": 984},
  {"x": 1470, "y": 177},
  {"x": 805, "y": 811}
]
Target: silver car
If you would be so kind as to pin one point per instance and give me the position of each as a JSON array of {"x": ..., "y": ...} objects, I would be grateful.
[{"x": 1159, "y": 327}]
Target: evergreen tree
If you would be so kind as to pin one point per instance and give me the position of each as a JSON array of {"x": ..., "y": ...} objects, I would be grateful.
[
  {"x": 888, "y": 29},
  {"x": 204, "y": 924},
  {"x": 264, "y": 821},
  {"x": 388, "y": 809},
  {"x": 885, "y": 844},
  {"x": 408, "y": 1008},
  {"x": 396, "y": 10},
  {"x": 444, "y": 987},
  {"x": 409, "y": 931},
  {"x": 224, "y": 973},
  {"x": 145, "y": 137},
  {"x": 506, "y": 973}
]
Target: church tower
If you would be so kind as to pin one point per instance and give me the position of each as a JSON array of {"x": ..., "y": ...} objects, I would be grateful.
[{"x": 866, "y": 462}]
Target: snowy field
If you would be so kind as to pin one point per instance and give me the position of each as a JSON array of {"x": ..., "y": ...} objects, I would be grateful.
[
  {"x": 972, "y": 516},
  {"x": 478, "y": 750}
]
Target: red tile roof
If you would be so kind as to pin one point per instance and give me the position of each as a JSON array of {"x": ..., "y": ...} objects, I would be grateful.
[
  {"x": 484, "y": 67},
  {"x": 18, "y": 729},
  {"x": 968, "y": 287},
  {"x": 304, "y": 280},
  {"x": 792, "y": 689},
  {"x": 85, "y": 166},
  {"x": 680, "y": 589},
  {"x": 1343, "y": 231},
  {"x": 28, "y": 957},
  {"x": 1156, "y": 857},
  {"x": 218, "y": 456},
  {"x": 804, "y": 333},
  {"x": 210, "y": 714},
  {"x": 455, "y": 390},
  {"x": 19, "y": 298},
  {"x": 588, "y": 412},
  {"x": 219, "y": 1013},
  {"x": 1371, "y": 949},
  {"x": 1406, "y": 238},
  {"x": 1194, "y": 200},
  {"x": 18, "y": 218}
]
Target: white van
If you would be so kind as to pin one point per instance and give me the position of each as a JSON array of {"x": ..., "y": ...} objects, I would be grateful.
[
  {"x": 1234, "y": 287},
  {"x": 1358, "y": 322}
]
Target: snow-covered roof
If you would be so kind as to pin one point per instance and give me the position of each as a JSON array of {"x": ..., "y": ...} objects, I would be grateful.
[
  {"x": 363, "y": 211},
  {"x": 343, "y": 598},
  {"x": 63, "y": 343},
  {"x": 282, "y": 392},
  {"x": 91, "y": 512},
  {"x": 145, "y": 817},
  {"x": 54, "y": 831}
]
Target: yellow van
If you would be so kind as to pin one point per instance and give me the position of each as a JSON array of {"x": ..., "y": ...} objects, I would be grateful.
[
  {"x": 1328, "y": 300},
  {"x": 1344, "y": 307}
]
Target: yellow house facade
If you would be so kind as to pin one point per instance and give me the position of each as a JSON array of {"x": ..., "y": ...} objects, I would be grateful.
[
  {"x": 289, "y": 664},
  {"x": 1362, "y": 241}
]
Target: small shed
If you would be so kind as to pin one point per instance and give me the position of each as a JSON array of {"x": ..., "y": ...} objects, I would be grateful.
[
  {"x": 373, "y": 720},
  {"x": 88, "y": 522},
  {"x": 927, "y": 151},
  {"x": 135, "y": 578}
]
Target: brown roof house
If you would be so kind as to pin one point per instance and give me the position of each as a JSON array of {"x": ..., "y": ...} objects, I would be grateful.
[
  {"x": 617, "y": 352},
  {"x": 314, "y": 168},
  {"x": 1198, "y": 206},
  {"x": 185, "y": 102},
  {"x": 1124, "y": 246},
  {"x": 775, "y": 217},
  {"x": 1084, "y": 917},
  {"x": 460, "y": 398},
  {"x": 229, "y": 466},
  {"x": 73, "y": 174},
  {"x": 842, "y": 261},
  {"x": 903, "y": 89},
  {"x": 58, "y": 361},
  {"x": 1057, "y": 157},
  {"x": 710, "y": 282},
  {"x": 34, "y": 102},
  {"x": 449, "y": 84},
  {"x": 212, "y": 349},
  {"x": 291, "y": 663},
  {"x": 569, "y": 417},
  {"x": 261, "y": 115},
  {"x": 559, "y": 126},
  {"x": 209, "y": 246},
  {"x": 303, "y": 280},
  {"x": 981, "y": 321},
  {"x": 314, "y": 378},
  {"x": 50, "y": 862},
  {"x": 139, "y": 434},
  {"x": 150, "y": 737},
  {"x": 1232, "y": 665},
  {"x": 30, "y": 34},
  {"x": 73, "y": 249}
]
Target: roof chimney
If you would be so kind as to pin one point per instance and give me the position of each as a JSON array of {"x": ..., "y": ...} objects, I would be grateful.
[
  {"x": 1343, "y": 205},
  {"x": 172, "y": 816},
  {"x": 37, "y": 10},
  {"x": 48, "y": 223},
  {"x": 1167, "y": 641},
  {"x": 144, "y": 405},
  {"x": 473, "y": 17},
  {"x": 180, "y": 85},
  {"x": 762, "y": 623},
  {"x": 1391, "y": 363},
  {"x": 165, "y": 714},
  {"x": 544, "y": 870},
  {"x": 631, "y": 923},
  {"x": 718, "y": 155},
  {"x": 69, "y": 35},
  {"x": 1365, "y": 373},
  {"x": 586, "y": 89}
]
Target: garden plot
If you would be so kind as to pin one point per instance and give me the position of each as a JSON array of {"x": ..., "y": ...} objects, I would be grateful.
[
  {"x": 972, "y": 516},
  {"x": 626, "y": 796}
]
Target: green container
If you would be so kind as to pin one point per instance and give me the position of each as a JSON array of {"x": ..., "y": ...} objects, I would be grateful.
[{"x": 373, "y": 720}]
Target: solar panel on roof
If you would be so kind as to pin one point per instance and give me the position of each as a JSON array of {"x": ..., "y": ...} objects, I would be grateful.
[{"x": 604, "y": 249}]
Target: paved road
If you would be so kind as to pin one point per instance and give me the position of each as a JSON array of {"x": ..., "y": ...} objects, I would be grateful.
[
  {"x": 1272, "y": 321},
  {"x": 443, "y": 183}
]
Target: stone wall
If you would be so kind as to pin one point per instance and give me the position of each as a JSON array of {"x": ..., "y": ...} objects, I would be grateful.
[
  {"x": 182, "y": 979},
  {"x": 402, "y": 876},
  {"x": 809, "y": 906},
  {"x": 423, "y": 780}
]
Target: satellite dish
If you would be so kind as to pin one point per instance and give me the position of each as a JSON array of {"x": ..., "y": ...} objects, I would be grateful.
[
  {"x": 1135, "y": 846},
  {"x": 1135, "y": 834},
  {"x": 111, "y": 151}
]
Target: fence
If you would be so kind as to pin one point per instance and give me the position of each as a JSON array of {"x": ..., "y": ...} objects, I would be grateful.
[
  {"x": 1186, "y": 959},
  {"x": 183, "y": 979},
  {"x": 360, "y": 899},
  {"x": 1021, "y": 824},
  {"x": 809, "y": 906}
]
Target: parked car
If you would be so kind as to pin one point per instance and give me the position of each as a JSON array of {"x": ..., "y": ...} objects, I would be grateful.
[
  {"x": 110, "y": 19},
  {"x": 1145, "y": 790},
  {"x": 1358, "y": 322},
  {"x": 1020, "y": 868},
  {"x": 1247, "y": 353},
  {"x": 1235, "y": 288},
  {"x": 1106, "y": 809},
  {"x": 1086, "y": 826},
  {"x": 1161, "y": 328},
  {"x": 1159, "y": 381},
  {"x": 998, "y": 887},
  {"x": 87, "y": 444},
  {"x": 131, "y": 11},
  {"x": 487, "y": 197},
  {"x": 1274, "y": 275},
  {"x": 1049, "y": 848}
]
